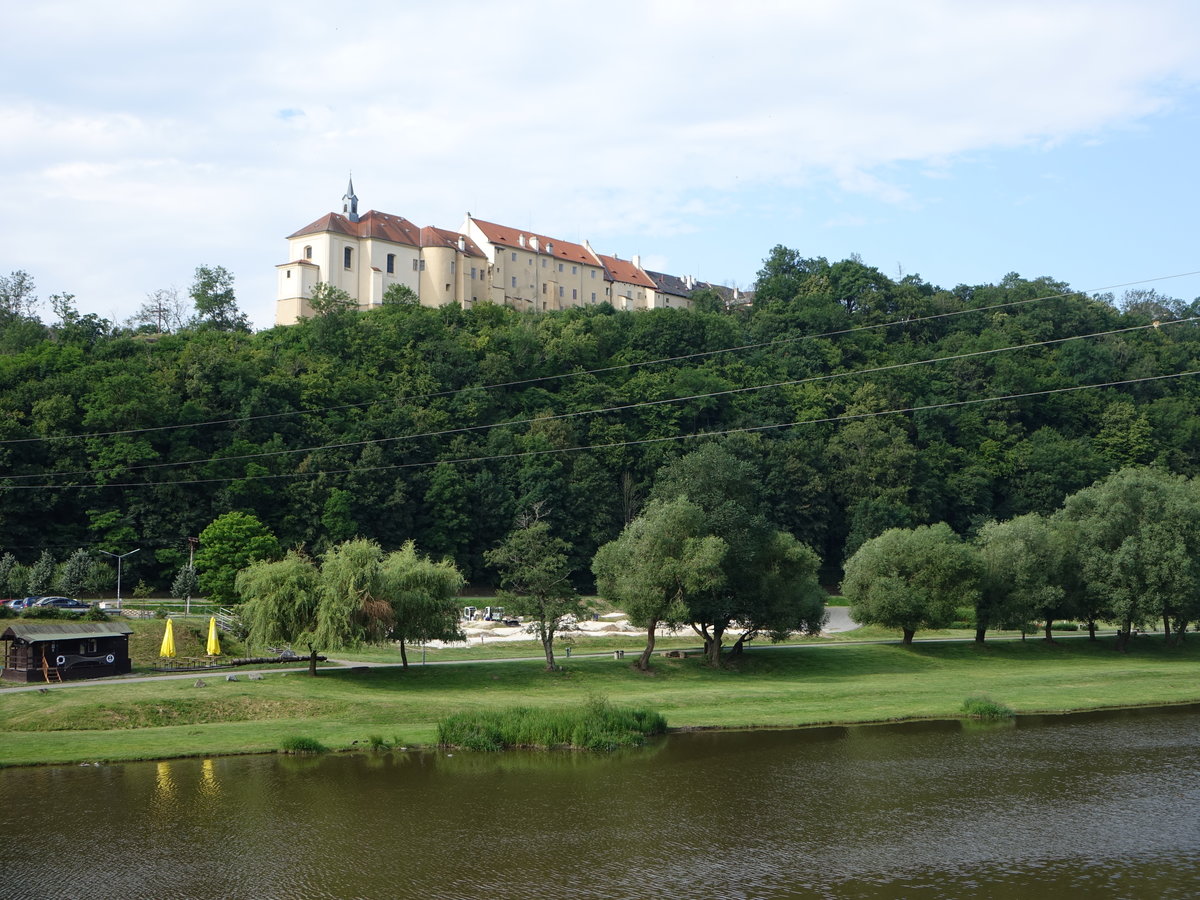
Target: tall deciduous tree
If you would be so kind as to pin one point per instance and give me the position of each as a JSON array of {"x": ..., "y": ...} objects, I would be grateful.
[
  {"x": 911, "y": 578},
  {"x": 230, "y": 543},
  {"x": 216, "y": 304},
  {"x": 1139, "y": 544},
  {"x": 662, "y": 560},
  {"x": 41, "y": 574},
  {"x": 1022, "y": 576},
  {"x": 769, "y": 584},
  {"x": 535, "y": 578},
  {"x": 74, "y": 573}
]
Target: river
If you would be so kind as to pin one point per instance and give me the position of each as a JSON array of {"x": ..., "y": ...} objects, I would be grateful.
[{"x": 1101, "y": 805}]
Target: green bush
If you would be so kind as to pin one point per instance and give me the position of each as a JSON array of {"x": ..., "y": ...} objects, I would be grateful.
[
  {"x": 1064, "y": 626},
  {"x": 95, "y": 614},
  {"x": 982, "y": 706},
  {"x": 45, "y": 612},
  {"x": 303, "y": 745},
  {"x": 596, "y": 726},
  {"x": 376, "y": 742}
]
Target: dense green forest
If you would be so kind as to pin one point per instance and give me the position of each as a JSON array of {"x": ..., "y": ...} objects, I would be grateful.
[{"x": 861, "y": 402}]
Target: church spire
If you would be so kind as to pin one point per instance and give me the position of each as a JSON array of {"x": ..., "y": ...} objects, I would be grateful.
[{"x": 350, "y": 202}]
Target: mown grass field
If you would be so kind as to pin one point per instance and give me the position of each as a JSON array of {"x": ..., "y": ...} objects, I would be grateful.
[{"x": 770, "y": 687}]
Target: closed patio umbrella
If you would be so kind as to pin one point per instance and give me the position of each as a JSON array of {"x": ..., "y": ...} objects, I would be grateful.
[
  {"x": 214, "y": 643},
  {"x": 168, "y": 644}
]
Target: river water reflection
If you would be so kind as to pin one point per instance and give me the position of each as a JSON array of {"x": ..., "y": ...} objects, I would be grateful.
[{"x": 1097, "y": 806}]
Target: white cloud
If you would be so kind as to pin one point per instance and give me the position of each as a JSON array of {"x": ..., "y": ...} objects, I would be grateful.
[{"x": 234, "y": 124}]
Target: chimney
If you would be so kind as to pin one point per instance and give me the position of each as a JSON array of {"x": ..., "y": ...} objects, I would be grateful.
[
  {"x": 637, "y": 260},
  {"x": 462, "y": 244}
]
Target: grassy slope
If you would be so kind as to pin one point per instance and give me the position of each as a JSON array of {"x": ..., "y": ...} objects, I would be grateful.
[{"x": 770, "y": 687}]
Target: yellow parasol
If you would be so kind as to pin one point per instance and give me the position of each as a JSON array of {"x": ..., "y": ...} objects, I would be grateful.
[
  {"x": 214, "y": 643},
  {"x": 168, "y": 644}
]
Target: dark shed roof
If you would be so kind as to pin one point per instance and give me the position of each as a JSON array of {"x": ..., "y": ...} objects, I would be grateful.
[{"x": 65, "y": 631}]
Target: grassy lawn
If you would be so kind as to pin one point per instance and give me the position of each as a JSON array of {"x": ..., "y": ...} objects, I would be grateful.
[{"x": 779, "y": 687}]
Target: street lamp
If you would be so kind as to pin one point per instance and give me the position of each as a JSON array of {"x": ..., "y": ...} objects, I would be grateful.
[{"x": 118, "y": 558}]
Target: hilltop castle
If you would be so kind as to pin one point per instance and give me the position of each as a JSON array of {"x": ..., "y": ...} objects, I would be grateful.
[{"x": 365, "y": 255}]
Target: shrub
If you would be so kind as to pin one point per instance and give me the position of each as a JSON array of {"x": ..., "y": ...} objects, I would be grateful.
[
  {"x": 303, "y": 745},
  {"x": 44, "y": 612},
  {"x": 982, "y": 706},
  {"x": 95, "y": 614},
  {"x": 596, "y": 726},
  {"x": 376, "y": 742},
  {"x": 1064, "y": 626}
]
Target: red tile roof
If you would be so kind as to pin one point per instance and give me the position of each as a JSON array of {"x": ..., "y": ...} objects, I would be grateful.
[
  {"x": 441, "y": 237},
  {"x": 511, "y": 237},
  {"x": 625, "y": 271},
  {"x": 372, "y": 224}
]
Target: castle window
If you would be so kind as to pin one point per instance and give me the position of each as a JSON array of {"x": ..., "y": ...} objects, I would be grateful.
[
  {"x": 593, "y": 296},
  {"x": 391, "y": 263},
  {"x": 308, "y": 252},
  {"x": 289, "y": 273},
  {"x": 422, "y": 266},
  {"x": 472, "y": 273},
  {"x": 543, "y": 264},
  {"x": 560, "y": 290},
  {"x": 574, "y": 294},
  {"x": 593, "y": 271},
  {"x": 514, "y": 281},
  {"x": 347, "y": 257},
  {"x": 415, "y": 266},
  {"x": 543, "y": 287},
  {"x": 574, "y": 270},
  {"x": 560, "y": 267},
  {"x": 514, "y": 256},
  {"x": 452, "y": 266}
]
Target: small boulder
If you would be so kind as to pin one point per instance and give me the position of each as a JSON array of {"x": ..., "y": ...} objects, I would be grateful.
[
  {"x": 231, "y": 677},
  {"x": 200, "y": 683},
  {"x": 256, "y": 676}
]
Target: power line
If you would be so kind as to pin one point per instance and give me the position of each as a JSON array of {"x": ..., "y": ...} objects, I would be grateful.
[
  {"x": 599, "y": 371},
  {"x": 623, "y": 407},
  {"x": 617, "y": 444}
]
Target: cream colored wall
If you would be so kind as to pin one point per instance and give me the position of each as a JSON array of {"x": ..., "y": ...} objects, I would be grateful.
[{"x": 376, "y": 252}]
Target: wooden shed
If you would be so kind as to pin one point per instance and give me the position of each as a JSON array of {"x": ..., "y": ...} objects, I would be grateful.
[{"x": 62, "y": 651}]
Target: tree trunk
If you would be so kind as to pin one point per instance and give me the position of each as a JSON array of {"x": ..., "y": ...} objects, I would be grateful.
[
  {"x": 713, "y": 648},
  {"x": 643, "y": 662},
  {"x": 738, "y": 646},
  {"x": 979, "y": 633},
  {"x": 1123, "y": 635},
  {"x": 908, "y": 634},
  {"x": 1049, "y": 627},
  {"x": 403, "y": 655},
  {"x": 1091, "y": 629},
  {"x": 312, "y": 661},
  {"x": 548, "y": 646},
  {"x": 1167, "y": 631}
]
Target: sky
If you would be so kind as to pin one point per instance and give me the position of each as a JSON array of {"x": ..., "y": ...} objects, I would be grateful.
[{"x": 953, "y": 140}]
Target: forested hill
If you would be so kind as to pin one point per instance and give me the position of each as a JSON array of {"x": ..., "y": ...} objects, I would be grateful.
[{"x": 440, "y": 425}]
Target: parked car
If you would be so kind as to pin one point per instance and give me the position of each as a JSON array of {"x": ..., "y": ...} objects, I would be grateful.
[
  {"x": 64, "y": 603},
  {"x": 22, "y": 603}
]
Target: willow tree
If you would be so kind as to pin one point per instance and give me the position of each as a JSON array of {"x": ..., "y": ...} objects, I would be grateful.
[
  {"x": 422, "y": 595},
  {"x": 662, "y": 560},
  {"x": 282, "y": 599}
]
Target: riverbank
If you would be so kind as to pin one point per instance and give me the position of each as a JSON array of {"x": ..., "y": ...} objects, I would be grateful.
[{"x": 769, "y": 687}]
